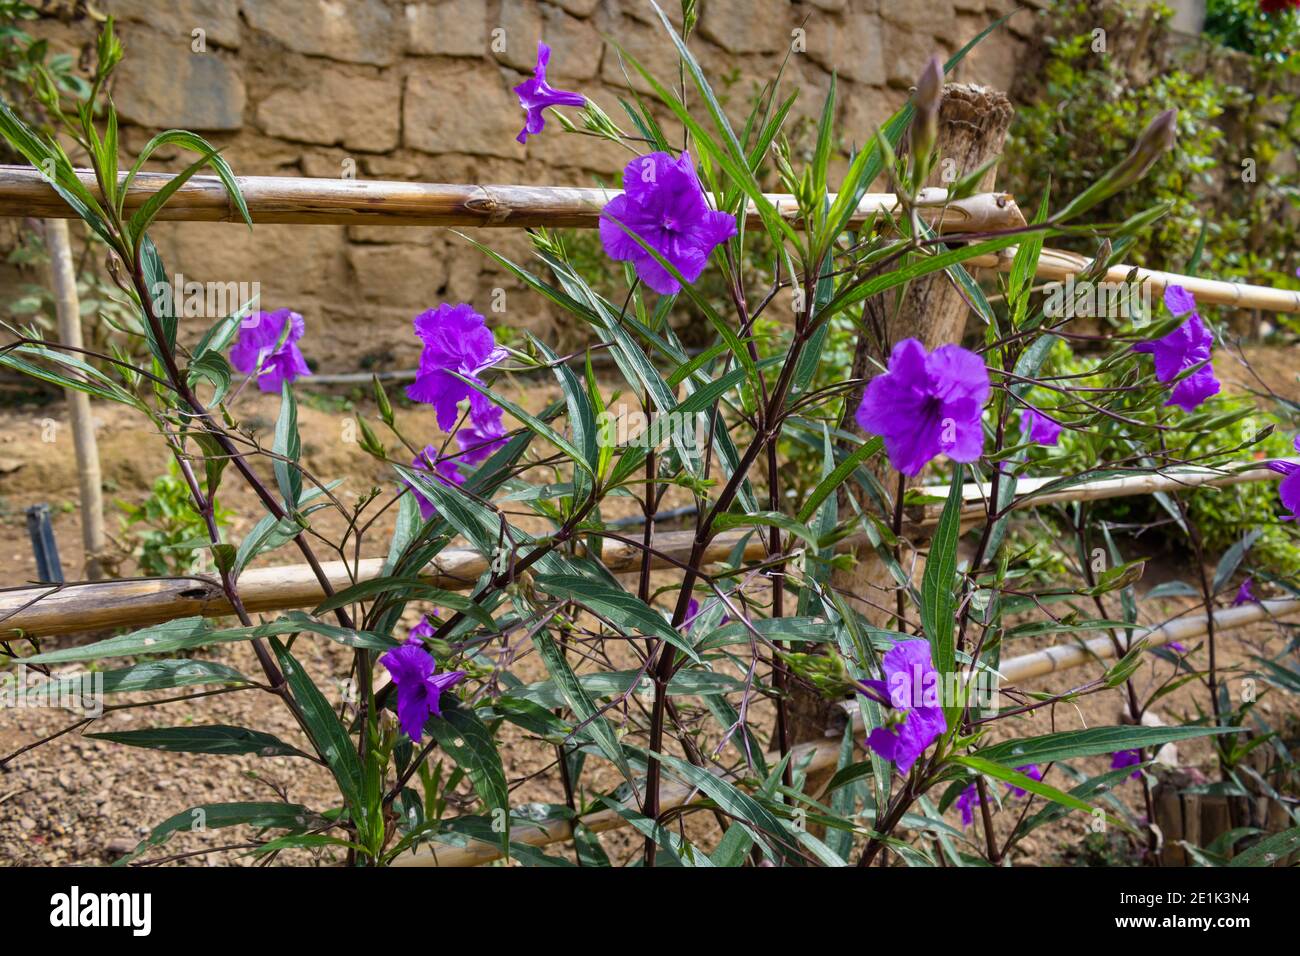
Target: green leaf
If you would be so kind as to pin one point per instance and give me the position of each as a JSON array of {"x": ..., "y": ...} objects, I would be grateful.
[
  {"x": 938, "y": 601},
  {"x": 196, "y": 144},
  {"x": 268, "y": 534},
  {"x": 215, "y": 816},
  {"x": 327, "y": 732},
  {"x": 1070, "y": 744},
  {"x": 827, "y": 486},
  {"x": 149, "y": 675},
  {"x": 462, "y": 735},
  {"x": 1269, "y": 851},
  {"x": 1018, "y": 779},
  {"x": 204, "y": 739},
  {"x": 580, "y": 702},
  {"x": 773, "y": 519},
  {"x": 287, "y": 447},
  {"x": 625, "y": 611}
]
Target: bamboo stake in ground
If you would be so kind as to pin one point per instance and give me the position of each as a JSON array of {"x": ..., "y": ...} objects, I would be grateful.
[{"x": 68, "y": 309}]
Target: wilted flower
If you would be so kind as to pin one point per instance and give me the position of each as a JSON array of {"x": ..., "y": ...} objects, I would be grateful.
[
  {"x": 1289, "y": 489},
  {"x": 1188, "y": 345},
  {"x": 1037, "y": 427},
  {"x": 927, "y": 405},
  {"x": 1245, "y": 593},
  {"x": 259, "y": 336},
  {"x": 455, "y": 340},
  {"x": 444, "y": 468},
  {"x": 663, "y": 204},
  {"x": 536, "y": 94},
  {"x": 419, "y": 689},
  {"x": 1126, "y": 758},
  {"x": 910, "y": 688}
]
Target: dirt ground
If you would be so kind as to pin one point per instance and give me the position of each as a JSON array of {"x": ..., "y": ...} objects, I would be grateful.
[{"x": 80, "y": 800}]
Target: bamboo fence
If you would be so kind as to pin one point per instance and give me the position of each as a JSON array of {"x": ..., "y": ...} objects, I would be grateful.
[
  {"x": 47, "y": 610},
  {"x": 305, "y": 201},
  {"x": 360, "y": 202}
]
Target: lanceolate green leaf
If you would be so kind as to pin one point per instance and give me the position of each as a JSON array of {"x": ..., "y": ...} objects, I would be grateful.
[
  {"x": 462, "y": 735},
  {"x": 937, "y": 586},
  {"x": 214, "y": 816},
  {"x": 1071, "y": 744},
  {"x": 209, "y": 739},
  {"x": 625, "y": 611}
]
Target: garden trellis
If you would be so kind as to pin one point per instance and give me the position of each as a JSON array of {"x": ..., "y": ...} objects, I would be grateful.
[{"x": 941, "y": 231}]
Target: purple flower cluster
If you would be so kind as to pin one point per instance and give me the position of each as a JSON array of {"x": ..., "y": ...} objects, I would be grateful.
[
  {"x": 536, "y": 95},
  {"x": 419, "y": 687},
  {"x": 910, "y": 688},
  {"x": 1289, "y": 489},
  {"x": 663, "y": 203},
  {"x": 259, "y": 344},
  {"x": 1186, "y": 346},
  {"x": 927, "y": 405}
]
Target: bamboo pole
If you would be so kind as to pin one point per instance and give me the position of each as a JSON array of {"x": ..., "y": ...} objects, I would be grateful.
[
  {"x": 1058, "y": 265},
  {"x": 48, "y": 610},
  {"x": 68, "y": 310},
  {"x": 305, "y": 201},
  {"x": 285, "y": 199},
  {"x": 824, "y": 753}
]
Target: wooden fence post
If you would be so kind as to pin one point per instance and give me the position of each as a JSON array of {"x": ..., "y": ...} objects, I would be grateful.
[
  {"x": 973, "y": 123},
  {"x": 68, "y": 309}
]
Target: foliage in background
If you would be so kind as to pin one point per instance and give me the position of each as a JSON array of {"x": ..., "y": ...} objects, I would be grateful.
[
  {"x": 164, "y": 533},
  {"x": 1102, "y": 65}
]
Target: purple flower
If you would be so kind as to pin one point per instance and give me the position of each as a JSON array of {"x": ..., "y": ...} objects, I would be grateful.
[
  {"x": 258, "y": 335},
  {"x": 911, "y": 689},
  {"x": 1126, "y": 758},
  {"x": 662, "y": 202},
  {"x": 422, "y": 630},
  {"x": 1177, "y": 647},
  {"x": 1029, "y": 770},
  {"x": 455, "y": 340},
  {"x": 1179, "y": 301},
  {"x": 444, "y": 468},
  {"x": 483, "y": 434},
  {"x": 692, "y": 612},
  {"x": 966, "y": 802},
  {"x": 536, "y": 94},
  {"x": 1245, "y": 593},
  {"x": 419, "y": 689},
  {"x": 1289, "y": 489},
  {"x": 1037, "y": 427},
  {"x": 1186, "y": 346},
  {"x": 927, "y": 405}
]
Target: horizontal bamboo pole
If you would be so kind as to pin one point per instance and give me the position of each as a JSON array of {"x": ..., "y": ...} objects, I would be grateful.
[
  {"x": 47, "y": 610},
  {"x": 360, "y": 202},
  {"x": 823, "y": 754},
  {"x": 1057, "y": 265}
]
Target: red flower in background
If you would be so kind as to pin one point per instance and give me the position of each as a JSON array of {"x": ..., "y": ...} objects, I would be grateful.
[{"x": 1277, "y": 6}]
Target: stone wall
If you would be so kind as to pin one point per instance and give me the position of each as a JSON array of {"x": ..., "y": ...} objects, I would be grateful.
[{"x": 421, "y": 91}]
